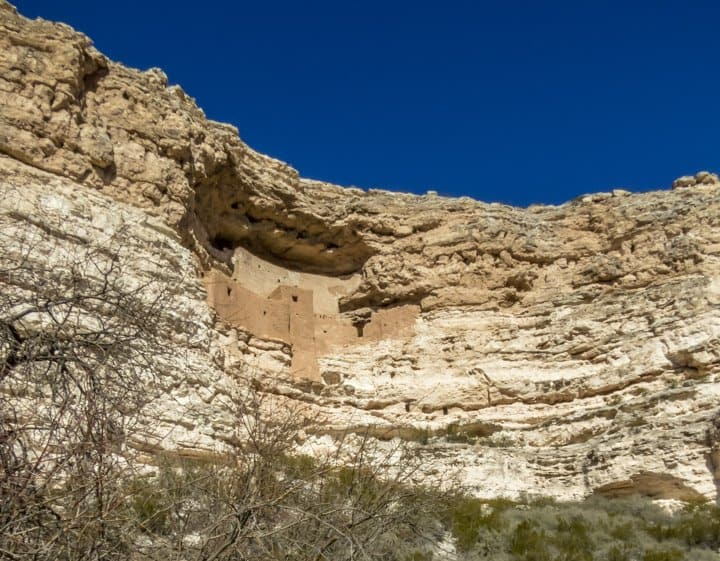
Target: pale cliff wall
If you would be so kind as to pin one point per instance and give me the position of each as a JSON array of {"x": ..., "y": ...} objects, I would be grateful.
[{"x": 552, "y": 350}]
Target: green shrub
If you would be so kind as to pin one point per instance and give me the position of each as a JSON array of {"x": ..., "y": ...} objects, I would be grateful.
[
  {"x": 628, "y": 529},
  {"x": 419, "y": 435},
  {"x": 148, "y": 506},
  {"x": 572, "y": 539},
  {"x": 300, "y": 466},
  {"x": 468, "y": 516},
  {"x": 623, "y": 531},
  {"x": 619, "y": 553},
  {"x": 698, "y": 525},
  {"x": 701, "y": 528},
  {"x": 670, "y": 554},
  {"x": 529, "y": 542},
  {"x": 418, "y": 555},
  {"x": 466, "y": 520}
]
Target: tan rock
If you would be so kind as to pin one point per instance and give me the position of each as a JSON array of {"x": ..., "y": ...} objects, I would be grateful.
[
  {"x": 700, "y": 178},
  {"x": 556, "y": 350},
  {"x": 706, "y": 178},
  {"x": 684, "y": 181}
]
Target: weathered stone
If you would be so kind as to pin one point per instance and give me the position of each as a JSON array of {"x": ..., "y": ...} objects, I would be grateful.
[
  {"x": 700, "y": 178},
  {"x": 575, "y": 348}
]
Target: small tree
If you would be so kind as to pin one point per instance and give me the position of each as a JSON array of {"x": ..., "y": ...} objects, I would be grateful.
[
  {"x": 77, "y": 348},
  {"x": 79, "y": 345}
]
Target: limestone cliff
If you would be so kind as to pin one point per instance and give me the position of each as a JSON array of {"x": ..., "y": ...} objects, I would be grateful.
[{"x": 550, "y": 350}]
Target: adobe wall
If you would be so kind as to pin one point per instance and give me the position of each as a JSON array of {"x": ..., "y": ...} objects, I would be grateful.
[
  {"x": 263, "y": 277},
  {"x": 391, "y": 323},
  {"x": 299, "y": 309},
  {"x": 239, "y": 306},
  {"x": 286, "y": 314},
  {"x": 298, "y": 305}
]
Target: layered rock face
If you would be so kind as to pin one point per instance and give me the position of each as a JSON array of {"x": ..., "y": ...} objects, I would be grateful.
[{"x": 559, "y": 351}]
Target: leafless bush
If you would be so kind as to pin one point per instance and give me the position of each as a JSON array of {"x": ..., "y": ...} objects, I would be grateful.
[
  {"x": 79, "y": 339},
  {"x": 77, "y": 349},
  {"x": 266, "y": 502}
]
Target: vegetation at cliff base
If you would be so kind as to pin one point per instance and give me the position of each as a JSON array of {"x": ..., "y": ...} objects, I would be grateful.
[
  {"x": 598, "y": 529},
  {"x": 438, "y": 525},
  {"x": 80, "y": 356}
]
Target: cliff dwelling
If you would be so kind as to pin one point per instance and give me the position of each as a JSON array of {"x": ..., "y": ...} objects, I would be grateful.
[{"x": 300, "y": 309}]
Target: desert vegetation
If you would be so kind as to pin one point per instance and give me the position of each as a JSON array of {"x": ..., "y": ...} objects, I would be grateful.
[
  {"x": 77, "y": 352},
  {"x": 79, "y": 356},
  {"x": 80, "y": 362},
  {"x": 597, "y": 529}
]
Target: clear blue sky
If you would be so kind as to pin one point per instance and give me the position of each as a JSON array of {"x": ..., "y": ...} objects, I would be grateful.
[{"x": 513, "y": 101}]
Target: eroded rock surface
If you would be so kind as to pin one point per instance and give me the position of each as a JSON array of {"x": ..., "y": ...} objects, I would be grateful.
[{"x": 550, "y": 350}]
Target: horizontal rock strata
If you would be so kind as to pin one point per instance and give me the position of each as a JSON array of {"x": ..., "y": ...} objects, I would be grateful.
[{"x": 553, "y": 350}]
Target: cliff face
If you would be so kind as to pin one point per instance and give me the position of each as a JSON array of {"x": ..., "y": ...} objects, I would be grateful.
[{"x": 551, "y": 350}]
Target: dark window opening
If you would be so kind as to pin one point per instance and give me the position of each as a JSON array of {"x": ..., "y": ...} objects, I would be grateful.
[
  {"x": 294, "y": 298},
  {"x": 235, "y": 206},
  {"x": 360, "y": 329},
  {"x": 229, "y": 291},
  {"x": 222, "y": 243},
  {"x": 264, "y": 312},
  {"x": 407, "y": 406},
  {"x": 445, "y": 410}
]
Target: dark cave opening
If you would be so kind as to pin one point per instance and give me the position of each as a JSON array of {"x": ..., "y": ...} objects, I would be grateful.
[{"x": 222, "y": 243}]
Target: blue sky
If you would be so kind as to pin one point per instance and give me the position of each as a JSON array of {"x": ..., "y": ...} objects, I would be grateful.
[{"x": 513, "y": 101}]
